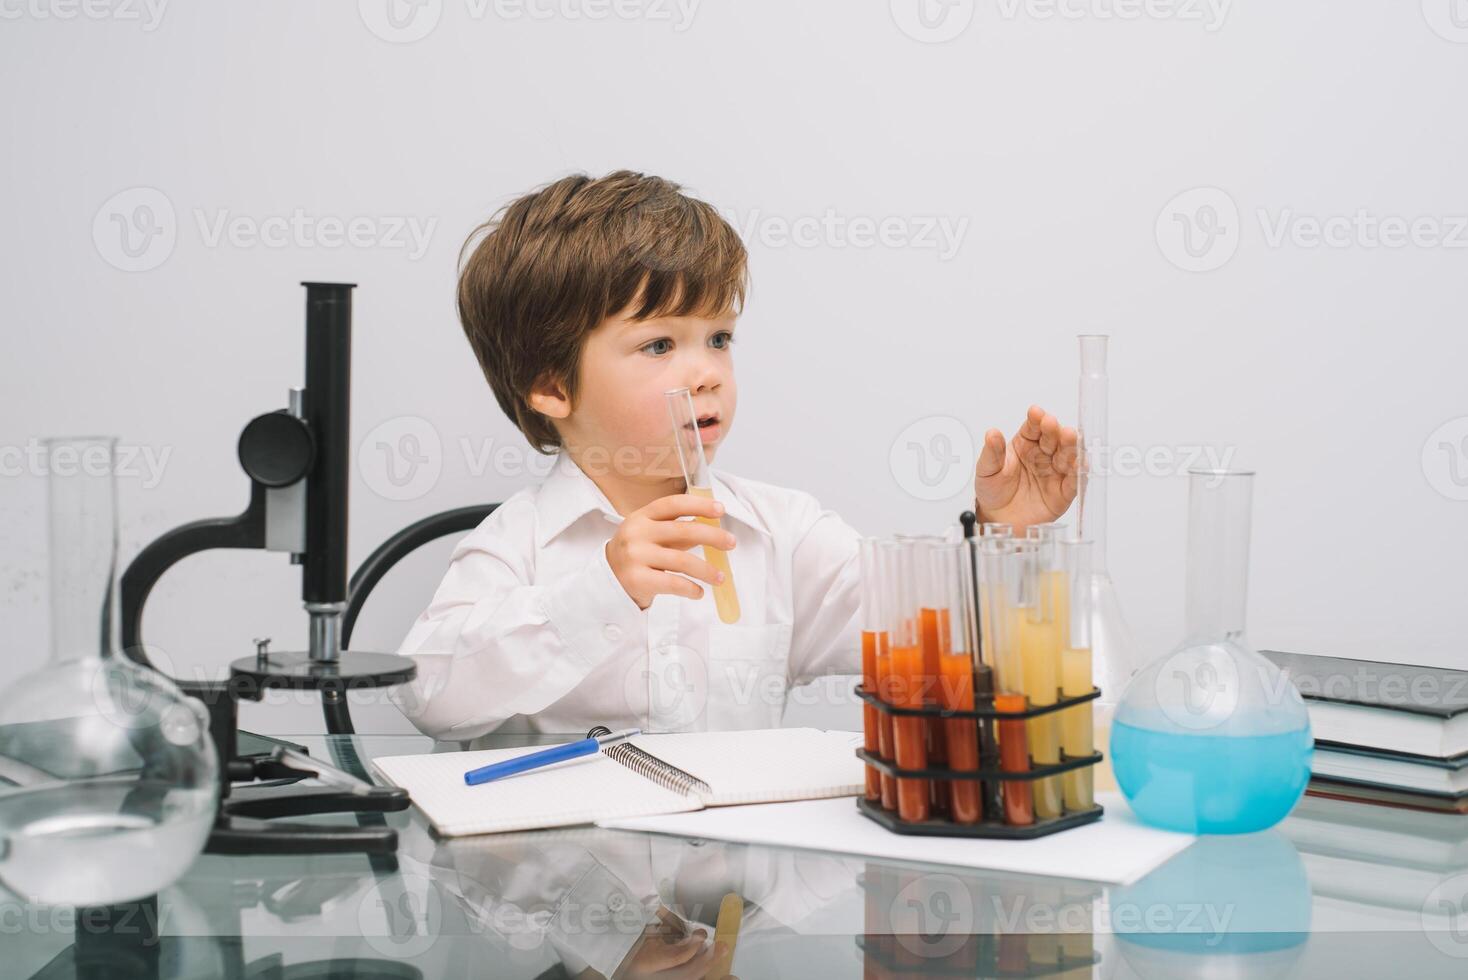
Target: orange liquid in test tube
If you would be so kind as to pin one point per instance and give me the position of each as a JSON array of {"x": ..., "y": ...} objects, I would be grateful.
[
  {"x": 885, "y": 743},
  {"x": 909, "y": 733},
  {"x": 962, "y": 735},
  {"x": 870, "y": 716},
  {"x": 1014, "y": 756},
  {"x": 931, "y": 626}
]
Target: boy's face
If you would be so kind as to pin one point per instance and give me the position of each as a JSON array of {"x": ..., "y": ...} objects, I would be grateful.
[{"x": 621, "y": 414}]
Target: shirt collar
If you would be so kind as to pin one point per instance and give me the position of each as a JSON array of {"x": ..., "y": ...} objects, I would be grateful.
[{"x": 568, "y": 494}]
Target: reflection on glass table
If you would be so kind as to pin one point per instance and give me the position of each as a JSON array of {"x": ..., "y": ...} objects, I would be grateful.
[{"x": 1336, "y": 890}]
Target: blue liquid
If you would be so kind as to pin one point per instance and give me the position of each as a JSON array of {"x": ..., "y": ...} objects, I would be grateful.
[{"x": 1210, "y": 784}]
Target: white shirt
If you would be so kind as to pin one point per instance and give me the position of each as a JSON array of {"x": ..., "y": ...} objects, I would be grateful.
[{"x": 530, "y": 620}]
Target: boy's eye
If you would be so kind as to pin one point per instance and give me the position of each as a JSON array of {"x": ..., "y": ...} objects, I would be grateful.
[
  {"x": 727, "y": 338},
  {"x": 660, "y": 346}
]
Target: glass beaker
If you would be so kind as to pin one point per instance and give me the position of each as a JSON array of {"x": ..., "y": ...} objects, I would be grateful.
[
  {"x": 1113, "y": 651},
  {"x": 1213, "y": 738},
  {"x": 108, "y": 777}
]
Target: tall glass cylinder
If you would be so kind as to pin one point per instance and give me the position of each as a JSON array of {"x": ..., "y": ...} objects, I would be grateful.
[
  {"x": 1212, "y": 737},
  {"x": 112, "y": 776},
  {"x": 1220, "y": 510},
  {"x": 1113, "y": 650}
]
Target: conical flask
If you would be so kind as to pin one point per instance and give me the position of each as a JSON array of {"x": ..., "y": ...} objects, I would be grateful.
[
  {"x": 1213, "y": 738},
  {"x": 108, "y": 777},
  {"x": 1113, "y": 652}
]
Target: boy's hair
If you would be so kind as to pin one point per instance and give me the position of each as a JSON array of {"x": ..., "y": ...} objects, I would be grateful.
[{"x": 556, "y": 263}]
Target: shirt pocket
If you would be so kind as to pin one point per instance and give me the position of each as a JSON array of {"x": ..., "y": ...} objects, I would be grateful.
[{"x": 747, "y": 675}]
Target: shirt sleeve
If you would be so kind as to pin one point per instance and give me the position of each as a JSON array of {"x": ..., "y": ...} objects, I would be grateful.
[
  {"x": 826, "y": 638},
  {"x": 490, "y": 645}
]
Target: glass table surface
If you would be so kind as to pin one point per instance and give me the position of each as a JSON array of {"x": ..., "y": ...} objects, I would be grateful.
[{"x": 1337, "y": 890}]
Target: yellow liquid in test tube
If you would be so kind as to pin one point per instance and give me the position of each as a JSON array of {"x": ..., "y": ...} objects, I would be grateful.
[
  {"x": 1039, "y": 650},
  {"x": 726, "y": 931},
  {"x": 1057, "y": 585},
  {"x": 726, "y": 600},
  {"x": 1077, "y": 737}
]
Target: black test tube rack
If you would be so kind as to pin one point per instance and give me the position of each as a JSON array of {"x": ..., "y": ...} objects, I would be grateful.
[{"x": 990, "y": 825}]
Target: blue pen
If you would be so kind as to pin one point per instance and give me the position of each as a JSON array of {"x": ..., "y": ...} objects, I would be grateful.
[{"x": 545, "y": 757}]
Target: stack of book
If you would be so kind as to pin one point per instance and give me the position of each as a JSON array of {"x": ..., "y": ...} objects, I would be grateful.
[{"x": 1389, "y": 734}]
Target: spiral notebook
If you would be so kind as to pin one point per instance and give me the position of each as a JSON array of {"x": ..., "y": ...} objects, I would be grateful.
[{"x": 646, "y": 775}]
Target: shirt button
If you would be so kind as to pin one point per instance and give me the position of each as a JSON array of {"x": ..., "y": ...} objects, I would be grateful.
[{"x": 612, "y": 632}]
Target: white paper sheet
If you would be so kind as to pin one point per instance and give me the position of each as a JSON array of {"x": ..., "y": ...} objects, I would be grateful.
[{"x": 1116, "y": 850}]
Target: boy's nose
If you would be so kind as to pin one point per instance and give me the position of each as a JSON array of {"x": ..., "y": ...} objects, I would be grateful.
[{"x": 706, "y": 376}]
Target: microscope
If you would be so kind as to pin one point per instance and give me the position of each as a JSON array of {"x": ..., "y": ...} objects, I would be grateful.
[{"x": 297, "y": 459}]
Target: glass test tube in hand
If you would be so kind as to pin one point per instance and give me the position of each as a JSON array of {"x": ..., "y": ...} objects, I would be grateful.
[{"x": 688, "y": 440}]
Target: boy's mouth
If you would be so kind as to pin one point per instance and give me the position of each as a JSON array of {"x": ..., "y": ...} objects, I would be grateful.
[{"x": 708, "y": 428}]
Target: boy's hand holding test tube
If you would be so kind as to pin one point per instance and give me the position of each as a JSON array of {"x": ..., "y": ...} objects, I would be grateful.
[
  {"x": 649, "y": 553},
  {"x": 651, "y": 545}
]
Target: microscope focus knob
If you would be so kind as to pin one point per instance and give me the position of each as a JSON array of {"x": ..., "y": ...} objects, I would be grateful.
[{"x": 277, "y": 449}]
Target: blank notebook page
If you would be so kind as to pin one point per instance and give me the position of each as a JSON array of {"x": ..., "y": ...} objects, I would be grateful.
[
  {"x": 576, "y": 791},
  {"x": 767, "y": 765}
]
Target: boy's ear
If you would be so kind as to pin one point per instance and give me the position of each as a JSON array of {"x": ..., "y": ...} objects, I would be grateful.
[{"x": 548, "y": 397}]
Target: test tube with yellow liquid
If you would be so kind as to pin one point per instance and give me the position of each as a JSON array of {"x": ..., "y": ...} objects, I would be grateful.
[
  {"x": 1053, "y": 574},
  {"x": 1077, "y": 738},
  {"x": 1039, "y": 646},
  {"x": 688, "y": 439}
]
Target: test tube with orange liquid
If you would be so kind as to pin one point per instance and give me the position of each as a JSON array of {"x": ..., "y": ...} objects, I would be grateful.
[
  {"x": 876, "y": 665},
  {"x": 688, "y": 441},
  {"x": 931, "y": 604},
  {"x": 909, "y": 685},
  {"x": 957, "y": 635}
]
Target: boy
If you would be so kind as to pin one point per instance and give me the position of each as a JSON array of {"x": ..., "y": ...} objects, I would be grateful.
[{"x": 578, "y": 602}]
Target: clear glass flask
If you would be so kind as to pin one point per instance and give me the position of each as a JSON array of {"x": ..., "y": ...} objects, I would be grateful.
[
  {"x": 108, "y": 777},
  {"x": 1212, "y": 738},
  {"x": 1113, "y": 651}
]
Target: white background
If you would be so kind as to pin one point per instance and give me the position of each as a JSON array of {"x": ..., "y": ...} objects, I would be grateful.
[{"x": 1059, "y": 144}]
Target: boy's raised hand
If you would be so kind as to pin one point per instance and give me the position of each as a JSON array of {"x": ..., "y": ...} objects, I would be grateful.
[{"x": 1033, "y": 479}]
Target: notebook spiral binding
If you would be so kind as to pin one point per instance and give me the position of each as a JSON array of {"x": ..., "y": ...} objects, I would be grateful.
[{"x": 650, "y": 767}]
